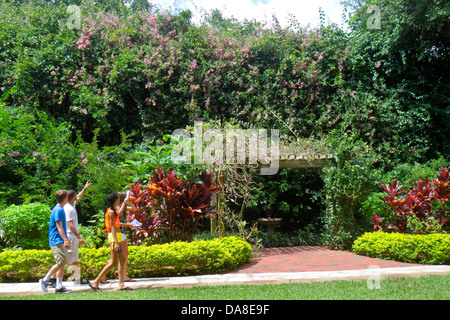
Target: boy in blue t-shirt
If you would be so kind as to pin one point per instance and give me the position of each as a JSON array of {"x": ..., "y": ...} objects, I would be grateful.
[{"x": 57, "y": 239}]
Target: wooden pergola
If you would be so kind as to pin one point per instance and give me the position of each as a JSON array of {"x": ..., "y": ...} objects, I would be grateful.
[
  {"x": 287, "y": 159},
  {"x": 302, "y": 160}
]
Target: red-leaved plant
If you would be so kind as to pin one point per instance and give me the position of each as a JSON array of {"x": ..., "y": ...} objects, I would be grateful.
[
  {"x": 419, "y": 203},
  {"x": 170, "y": 208}
]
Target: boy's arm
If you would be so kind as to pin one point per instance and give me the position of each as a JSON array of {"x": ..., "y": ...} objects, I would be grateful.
[
  {"x": 74, "y": 230},
  {"x": 62, "y": 233},
  {"x": 87, "y": 185}
]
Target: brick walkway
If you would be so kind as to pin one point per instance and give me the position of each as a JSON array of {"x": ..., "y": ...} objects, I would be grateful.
[{"x": 304, "y": 259}]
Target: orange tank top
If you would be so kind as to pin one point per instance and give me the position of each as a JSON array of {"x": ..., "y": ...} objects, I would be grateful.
[{"x": 116, "y": 220}]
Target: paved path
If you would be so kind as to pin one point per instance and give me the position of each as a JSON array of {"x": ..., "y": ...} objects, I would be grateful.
[
  {"x": 307, "y": 259},
  {"x": 272, "y": 265}
]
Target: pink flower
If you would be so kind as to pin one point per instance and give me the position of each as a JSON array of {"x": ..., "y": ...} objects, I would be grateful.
[
  {"x": 84, "y": 42},
  {"x": 320, "y": 57},
  {"x": 193, "y": 65}
]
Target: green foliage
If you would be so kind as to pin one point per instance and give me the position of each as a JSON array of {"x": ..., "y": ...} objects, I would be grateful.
[
  {"x": 427, "y": 249},
  {"x": 305, "y": 237},
  {"x": 25, "y": 226},
  {"x": 66, "y": 93},
  {"x": 172, "y": 259},
  {"x": 347, "y": 183},
  {"x": 38, "y": 157},
  {"x": 295, "y": 195},
  {"x": 145, "y": 158},
  {"x": 35, "y": 156},
  {"x": 403, "y": 65}
]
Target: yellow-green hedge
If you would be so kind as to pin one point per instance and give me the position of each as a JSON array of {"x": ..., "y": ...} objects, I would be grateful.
[
  {"x": 171, "y": 259},
  {"x": 426, "y": 249}
]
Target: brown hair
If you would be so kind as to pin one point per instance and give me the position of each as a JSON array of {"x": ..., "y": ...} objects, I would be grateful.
[
  {"x": 71, "y": 194},
  {"x": 60, "y": 195},
  {"x": 122, "y": 196}
]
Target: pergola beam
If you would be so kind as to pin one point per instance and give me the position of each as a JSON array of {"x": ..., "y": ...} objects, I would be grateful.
[{"x": 303, "y": 161}]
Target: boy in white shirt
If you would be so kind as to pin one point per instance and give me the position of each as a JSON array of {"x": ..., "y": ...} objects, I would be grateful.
[{"x": 72, "y": 232}]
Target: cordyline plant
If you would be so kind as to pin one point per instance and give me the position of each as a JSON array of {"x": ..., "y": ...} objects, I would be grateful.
[
  {"x": 424, "y": 205},
  {"x": 170, "y": 208}
]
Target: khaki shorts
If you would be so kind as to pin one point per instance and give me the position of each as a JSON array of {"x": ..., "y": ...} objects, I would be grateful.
[
  {"x": 60, "y": 253},
  {"x": 75, "y": 255}
]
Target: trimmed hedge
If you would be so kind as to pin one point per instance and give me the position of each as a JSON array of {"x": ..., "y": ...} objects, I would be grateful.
[
  {"x": 426, "y": 249},
  {"x": 171, "y": 259}
]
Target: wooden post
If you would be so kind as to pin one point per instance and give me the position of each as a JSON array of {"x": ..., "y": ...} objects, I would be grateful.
[{"x": 219, "y": 201}]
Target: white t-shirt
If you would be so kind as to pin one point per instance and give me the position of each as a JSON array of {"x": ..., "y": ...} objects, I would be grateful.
[{"x": 71, "y": 215}]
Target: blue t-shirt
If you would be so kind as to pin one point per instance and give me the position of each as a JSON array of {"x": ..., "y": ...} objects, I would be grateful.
[{"x": 54, "y": 237}]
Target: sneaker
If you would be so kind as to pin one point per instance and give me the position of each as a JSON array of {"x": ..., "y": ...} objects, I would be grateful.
[
  {"x": 51, "y": 283},
  {"x": 63, "y": 290},
  {"x": 81, "y": 281},
  {"x": 44, "y": 284}
]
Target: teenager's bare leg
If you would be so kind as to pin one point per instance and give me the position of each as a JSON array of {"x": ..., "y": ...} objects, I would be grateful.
[
  {"x": 111, "y": 264},
  {"x": 122, "y": 263}
]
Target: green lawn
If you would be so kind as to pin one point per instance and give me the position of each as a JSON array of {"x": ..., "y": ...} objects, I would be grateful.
[{"x": 409, "y": 288}]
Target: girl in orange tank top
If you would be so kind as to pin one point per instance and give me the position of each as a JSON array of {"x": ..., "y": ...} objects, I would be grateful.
[{"x": 115, "y": 237}]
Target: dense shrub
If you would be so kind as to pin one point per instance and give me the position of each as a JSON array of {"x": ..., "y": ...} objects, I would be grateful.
[
  {"x": 38, "y": 156},
  {"x": 25, "y": 226},
  {"x": 136, "y": 69},
  {"x": 421, "y": 210},
  {"x": 348, "y": 182},
  {"x": 427, "y": 249},
  {"x": 295, "y": 195},
  {"x": 171, "y": 259},
  {"x": 171, "y": 208}
]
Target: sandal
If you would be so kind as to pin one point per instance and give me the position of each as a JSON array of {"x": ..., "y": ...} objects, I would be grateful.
[
  {"x": 129, "y": 280},
  {"x": 96, "y": 289},
  {"x": 125, "y": 288},
  {"x": 104, "y": 281}
]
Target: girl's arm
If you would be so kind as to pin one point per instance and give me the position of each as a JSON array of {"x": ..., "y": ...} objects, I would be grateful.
[
  {"x": 130, "y": 207},
  {"x": 120, "y": 210},
  {"x": 113, "y": 230},
  {"x": 128, "y": 225}
]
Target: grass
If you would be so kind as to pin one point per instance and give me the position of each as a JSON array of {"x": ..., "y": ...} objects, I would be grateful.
[{"x": 405, "y": 288}]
